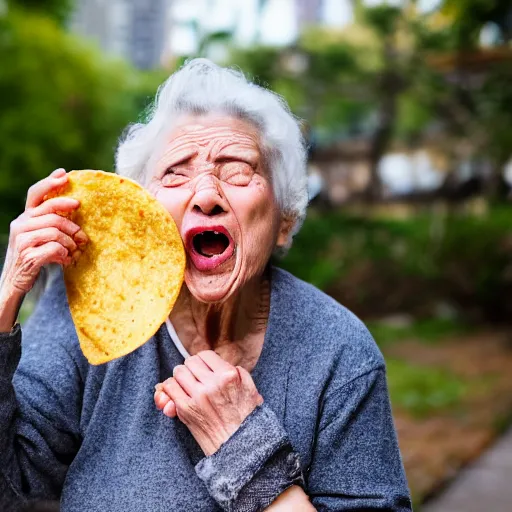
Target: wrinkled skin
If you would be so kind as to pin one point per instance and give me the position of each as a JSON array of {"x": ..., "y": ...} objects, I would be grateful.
[
  {"x": 212, "y": 172},
  {"x": 39, "y": 236},
  {"x": 210, "y": 396}
]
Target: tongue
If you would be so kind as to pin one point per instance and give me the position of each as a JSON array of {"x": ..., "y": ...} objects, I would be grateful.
[
  {"x": 211, "y": 244},
  {"x": 212, "y": 247}
]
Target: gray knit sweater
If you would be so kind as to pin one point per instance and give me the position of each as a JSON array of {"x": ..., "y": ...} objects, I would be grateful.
[{"x": 92, "y": 436}]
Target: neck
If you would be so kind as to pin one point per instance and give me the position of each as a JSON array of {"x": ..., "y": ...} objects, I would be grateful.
[{"x": 226, "y": 327}]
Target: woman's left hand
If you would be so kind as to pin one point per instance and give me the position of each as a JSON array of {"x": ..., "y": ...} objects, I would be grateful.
[{"x": 210, "y": 396}]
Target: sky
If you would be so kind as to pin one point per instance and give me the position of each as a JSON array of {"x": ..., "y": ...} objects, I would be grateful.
[{"x": 277, "y": 25}]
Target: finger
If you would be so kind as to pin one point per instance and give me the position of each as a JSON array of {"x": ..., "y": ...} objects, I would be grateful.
[
  {"x": 175, "y": 391},
  {"x": 52, "y": 252},
  {"x": 200, "y": 370},
  {"x": 43, "y": 236},
  {"x": 245, "y": 376},
  {"x": 55, "y": 205},
  {"x": 214, "y": 361},
  {"x": 248, "y": 382},
  {"x": 170, "y": 409},
  {"x": 75, "y": 255},
  {"x": 186, "y": 379},
  {"x": 52, "y": 220},
  {"x": 52, "y": 183},
  {"x": 161, "y": 399}
]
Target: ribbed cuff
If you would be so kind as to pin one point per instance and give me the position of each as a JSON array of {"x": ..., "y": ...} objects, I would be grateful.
[
  {"x": 254, "y": 466},
  {"x": 10, "y": 351}
]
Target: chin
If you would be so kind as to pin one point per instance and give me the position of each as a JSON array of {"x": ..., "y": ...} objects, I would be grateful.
[{"x": 212, "y": 287}]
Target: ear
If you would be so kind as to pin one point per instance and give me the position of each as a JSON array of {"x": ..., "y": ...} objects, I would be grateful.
[{"x": 285, "y": 229}]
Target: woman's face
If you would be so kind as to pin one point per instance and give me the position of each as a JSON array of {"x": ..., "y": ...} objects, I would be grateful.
[{"x": 211, "y": 177}]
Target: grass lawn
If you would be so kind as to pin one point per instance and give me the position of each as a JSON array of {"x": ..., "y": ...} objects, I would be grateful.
[{"x": 451, "y": 395}]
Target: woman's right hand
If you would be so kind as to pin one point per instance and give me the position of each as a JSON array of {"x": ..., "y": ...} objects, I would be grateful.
[{"x": 40, "y": 236}]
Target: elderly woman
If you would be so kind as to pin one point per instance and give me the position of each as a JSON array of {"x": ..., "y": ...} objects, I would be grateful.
[{"x": 269, "y": 395}]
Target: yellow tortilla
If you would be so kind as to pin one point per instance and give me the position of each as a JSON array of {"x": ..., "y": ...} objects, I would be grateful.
[{"x": 125, "y": 283}]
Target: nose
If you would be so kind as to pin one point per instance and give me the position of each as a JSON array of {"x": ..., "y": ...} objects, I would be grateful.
[{"x": 208, "y": 198}]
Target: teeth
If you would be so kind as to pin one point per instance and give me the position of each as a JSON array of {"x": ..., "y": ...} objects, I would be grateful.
[{"x": 215, "y": 232}]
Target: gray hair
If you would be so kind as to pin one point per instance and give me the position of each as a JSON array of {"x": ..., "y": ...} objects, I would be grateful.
[{"x": 201, "y": 87}]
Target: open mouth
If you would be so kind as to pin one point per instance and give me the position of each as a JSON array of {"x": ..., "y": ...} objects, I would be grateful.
[
  {"x": 209, "y": 247},
  {"x": 210, "y": 243}
]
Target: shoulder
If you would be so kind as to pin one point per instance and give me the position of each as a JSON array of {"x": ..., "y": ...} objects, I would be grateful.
[{"x": 325, "y": 331}]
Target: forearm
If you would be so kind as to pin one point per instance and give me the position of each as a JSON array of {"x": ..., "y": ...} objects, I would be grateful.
[
  {"x": 10, "y": 303},
  {"x": 294, "y": 498},
  {"x": 10, "y": 352}
]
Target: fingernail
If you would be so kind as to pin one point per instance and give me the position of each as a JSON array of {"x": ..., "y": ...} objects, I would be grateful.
[
  {"x": 159, "y": 387},
  {"x": 168, "y": 407},
  {"x": 58, "y": 172},
  {"x": 75, "y": 255},
  {"x": 80, "y": 237}
]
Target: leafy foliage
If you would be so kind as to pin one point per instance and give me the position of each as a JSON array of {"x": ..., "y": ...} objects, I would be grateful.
[
  {"x": 430, "y": 330},
  {"x": 378, "y": 266},
  {"x": 59, "y": 10},
  {"x": 61, "y": 105}
]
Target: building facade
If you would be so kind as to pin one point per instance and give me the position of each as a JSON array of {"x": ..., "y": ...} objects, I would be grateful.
[{"x": 136, "y": 30}]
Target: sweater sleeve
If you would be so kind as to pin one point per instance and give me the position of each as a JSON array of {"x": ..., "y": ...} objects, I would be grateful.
[
  {"x": 356, "y": 463},
  {"x": 39, "y": 404},
  {"x": 268, "y": 466}
]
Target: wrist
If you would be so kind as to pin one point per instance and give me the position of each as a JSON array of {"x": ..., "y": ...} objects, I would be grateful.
[
  {"x": 216, "y": 439},
  {"x": 10, "y": 302}
]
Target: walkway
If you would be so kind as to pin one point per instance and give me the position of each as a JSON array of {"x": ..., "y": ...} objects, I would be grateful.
[{"x": 485, "y": 486}]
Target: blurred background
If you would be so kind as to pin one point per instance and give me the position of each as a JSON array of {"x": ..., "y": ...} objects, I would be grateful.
[{"x": 407, "y": 109}]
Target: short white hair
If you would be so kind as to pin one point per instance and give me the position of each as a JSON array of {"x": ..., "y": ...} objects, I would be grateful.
[{"x": 201, "y": 87}]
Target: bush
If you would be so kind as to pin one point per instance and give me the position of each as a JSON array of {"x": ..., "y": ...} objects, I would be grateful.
[
  {"x": 61, "y": 105},
  {"x": 379, "y": 266}
]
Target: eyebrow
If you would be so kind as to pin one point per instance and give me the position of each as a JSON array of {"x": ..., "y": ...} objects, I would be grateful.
[
  {"x": 179, "y": 156},
  {"x": 236, "y": 158},
  {"x": 233, "y": 152}
]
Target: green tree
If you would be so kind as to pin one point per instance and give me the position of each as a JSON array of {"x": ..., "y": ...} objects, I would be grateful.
[
  {"x": 59, "y": 10},
  {"x": 469, "y": 16},
  {"x": 61, "y": 105}
]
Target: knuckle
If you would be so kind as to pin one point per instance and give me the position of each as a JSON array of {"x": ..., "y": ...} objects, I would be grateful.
[
  {"x": 15, "y": 226},
  {"x": 67, "y": 225},
  {"x": 192, "y": 359},
  {"x": 59, "y": 222},
  {"x": 201, "y": 394},
  {"x": 23, "y": 241},
  {"x": 58, "y": 249},
  {"x": 168, "y": 385},
  {"x": 54, "y": 233},
  {"x": 229, "y": 376},
  {"x": 178, "y": 369},
  {"x": 28, "y": 261},
  {"x": 210, "y": 389}
]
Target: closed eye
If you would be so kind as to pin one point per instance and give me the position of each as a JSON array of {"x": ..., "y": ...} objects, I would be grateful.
[
  {"x": 173, "y": 170},
  {"x": 228, "y": 160},
  {"x": 174, "y": 177}
]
